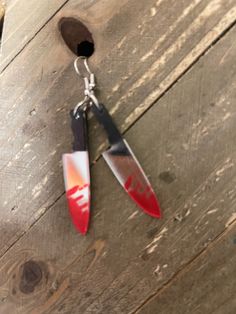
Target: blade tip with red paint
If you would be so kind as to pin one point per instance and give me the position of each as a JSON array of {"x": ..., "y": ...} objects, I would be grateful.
[
  {"x": 154, "y": 209},
  {"x": 79, "y": 210}
]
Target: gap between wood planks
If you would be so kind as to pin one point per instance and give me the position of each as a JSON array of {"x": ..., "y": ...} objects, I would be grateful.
[
  {"x": 185, "y": 268},
  {"x": 181, "y": 75},
  {"x": 38, "y": 31}
]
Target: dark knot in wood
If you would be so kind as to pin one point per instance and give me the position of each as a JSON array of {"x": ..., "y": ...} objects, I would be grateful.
[{"x": 31, "y": 276}]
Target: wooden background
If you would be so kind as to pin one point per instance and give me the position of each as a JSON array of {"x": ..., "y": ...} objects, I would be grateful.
[{"x": 167, "y": 73}]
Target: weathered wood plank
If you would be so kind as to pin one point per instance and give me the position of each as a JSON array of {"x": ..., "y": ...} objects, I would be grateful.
[
  {"x": 208, "y": 285},
  {"x": 36, "y": 129},
  {"x": 186, "y": 142},
  {"x": 23, "y": 20}
]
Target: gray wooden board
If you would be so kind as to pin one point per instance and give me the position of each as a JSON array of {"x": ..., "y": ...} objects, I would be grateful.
[
  {"x": 22, "y": 21},
  {"x": 207, "y": 286},
  {"x": 39, "y": 87},
  {"x": 186, "y": 143}
]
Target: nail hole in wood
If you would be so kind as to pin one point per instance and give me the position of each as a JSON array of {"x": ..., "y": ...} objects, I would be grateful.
[{"x": 76, "y": 36}]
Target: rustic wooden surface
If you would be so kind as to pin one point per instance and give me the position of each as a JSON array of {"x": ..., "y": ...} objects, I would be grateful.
[
  {"x": 23, "y": 20},
  {"x": 175, "y": 58},
  {"x": 205, "y": 286}
]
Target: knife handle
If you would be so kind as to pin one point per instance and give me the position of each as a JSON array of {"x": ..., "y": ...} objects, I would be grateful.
[
  {"x": 79, "y": 129},
  {"x": 105, "y": 119}
]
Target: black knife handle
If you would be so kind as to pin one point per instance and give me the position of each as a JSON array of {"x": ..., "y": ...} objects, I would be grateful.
[
  {"x": 105, "y": 119},
  {"x": 79, "y": 129}
]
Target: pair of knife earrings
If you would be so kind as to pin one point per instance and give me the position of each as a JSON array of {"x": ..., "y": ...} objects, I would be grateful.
[{"x": 119, "y": 158}]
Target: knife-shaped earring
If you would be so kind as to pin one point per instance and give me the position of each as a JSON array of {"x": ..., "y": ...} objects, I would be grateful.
[
  {"x": 125, "y": 166},
  {"x": 76, "y": 172},
  {"x": 118, "y": 156},
  {"x": 76, "y": 165}
]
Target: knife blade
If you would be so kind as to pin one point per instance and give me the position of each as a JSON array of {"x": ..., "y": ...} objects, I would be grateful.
[
  {"x": 77, "y": 174},
  {"x": 125, "y": 166}
]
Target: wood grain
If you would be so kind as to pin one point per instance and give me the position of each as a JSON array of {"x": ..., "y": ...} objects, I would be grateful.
[
  {"x": 40, "y": 86},
  {"x": 23, "y": 20},
  {"x": 206, "y": 286},
  {"x": 186, "y": 143}
]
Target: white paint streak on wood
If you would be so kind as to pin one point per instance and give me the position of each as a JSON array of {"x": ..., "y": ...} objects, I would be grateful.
[
  {"x": 26, "y": 145},
  {"x": 36, "y": 194},
  {"x": 157, "y": 269},
  {"x": 119, "y": 45},
  {"x": 45, "y": 180},
  {"x": 226, "y": 116},
  {"x": 169, "y": 53},
  {"x": 158, "y": 43},
  {"x": 225, "y": 22},
  {"x": 53, "y": 153},
  {"x": 199, "y": 21},
  {"x": 40, "y": 212},
  {"x": 204, "y": 131},
  {"x": 212, "y": 211},
  {"x": 152, "y": 249},
  {"x": 133, "y": 215},
  {"x": 195, "y": 125},
  {"x": 188, "y": 212},
  {"x": 152, "y": 246},
  {"x": 153, "y": 11},
  {"x": 228, "y": 164},
  {"x": 170, "y": 30},
  {"x": 115, "y": 88},
  {"x": 230, "y": 220},
  {"x": 39, "y": 187}
]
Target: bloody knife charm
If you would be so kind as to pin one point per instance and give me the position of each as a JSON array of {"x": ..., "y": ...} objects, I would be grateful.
[
  {"x": 118, "y": 156},
  {"x": 125, "y": 166},
  {"x": 76, "y": 173}
]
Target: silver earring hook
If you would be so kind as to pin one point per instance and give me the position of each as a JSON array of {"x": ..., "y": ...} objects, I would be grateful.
[
  {"x": 85, "y": 64},
  {"x": 89, "y": 84},
  {"x": 78, "y": 106}
]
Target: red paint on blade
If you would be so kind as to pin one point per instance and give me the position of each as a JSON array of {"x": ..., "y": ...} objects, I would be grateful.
[
  {"x": 145, "y": 198},
  {"x": 79, "y": 207}
]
